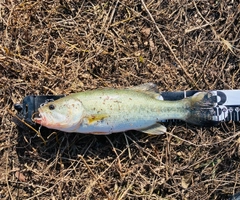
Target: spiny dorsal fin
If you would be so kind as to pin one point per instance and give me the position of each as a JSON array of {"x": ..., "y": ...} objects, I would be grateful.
[{"x": 148, "y": 88}]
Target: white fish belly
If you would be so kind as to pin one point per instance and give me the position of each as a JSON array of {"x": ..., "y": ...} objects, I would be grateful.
[{"x": 110, "y": 126}]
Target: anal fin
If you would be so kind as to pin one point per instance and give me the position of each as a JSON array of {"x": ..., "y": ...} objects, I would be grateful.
[{"x": 156, "y": 129}]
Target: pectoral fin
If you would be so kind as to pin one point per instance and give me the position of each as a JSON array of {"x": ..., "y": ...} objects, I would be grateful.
[
  {"x": 94, "y": 118},
  {"x": 156, "y": 129}
]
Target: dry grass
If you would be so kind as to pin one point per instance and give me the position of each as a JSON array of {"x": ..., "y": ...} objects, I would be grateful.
[{"x": 59, "y": 47}]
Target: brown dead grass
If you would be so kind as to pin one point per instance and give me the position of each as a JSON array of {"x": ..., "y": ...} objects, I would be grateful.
[{"x": 59, "y": 47}]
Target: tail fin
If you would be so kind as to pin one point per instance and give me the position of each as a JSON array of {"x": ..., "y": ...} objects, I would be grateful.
[{"x": 201, "y": 109}]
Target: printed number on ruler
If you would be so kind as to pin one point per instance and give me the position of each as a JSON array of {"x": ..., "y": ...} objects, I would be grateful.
[{"x": 221, "y": 111}]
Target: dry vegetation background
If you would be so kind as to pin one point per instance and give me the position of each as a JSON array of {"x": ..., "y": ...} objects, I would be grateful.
[{"x": 64, "y": 46}]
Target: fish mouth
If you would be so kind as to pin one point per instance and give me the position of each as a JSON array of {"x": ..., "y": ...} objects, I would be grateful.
[{"x": 37, "y": 117}]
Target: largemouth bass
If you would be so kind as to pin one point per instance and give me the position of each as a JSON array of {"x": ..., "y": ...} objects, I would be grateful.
[{"x": 106, "y": 111}]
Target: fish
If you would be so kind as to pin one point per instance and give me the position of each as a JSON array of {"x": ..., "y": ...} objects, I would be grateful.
[{"x": 105, "y": 111}]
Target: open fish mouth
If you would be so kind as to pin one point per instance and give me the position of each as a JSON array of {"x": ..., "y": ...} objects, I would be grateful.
[{"x": 36, "y": 117}]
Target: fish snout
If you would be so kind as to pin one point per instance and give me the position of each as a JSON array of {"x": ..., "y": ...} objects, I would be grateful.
[{"x": 37, "y": 117}]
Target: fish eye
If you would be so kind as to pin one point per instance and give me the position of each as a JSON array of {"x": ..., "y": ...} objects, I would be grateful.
[{"x": 51, "y": 107}]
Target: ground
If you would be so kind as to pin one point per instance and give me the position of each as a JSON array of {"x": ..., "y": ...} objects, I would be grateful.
[{"x": 66, "y": 46}]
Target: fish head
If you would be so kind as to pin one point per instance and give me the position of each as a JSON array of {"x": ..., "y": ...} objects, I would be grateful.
[{"x": 64, "y": 114}]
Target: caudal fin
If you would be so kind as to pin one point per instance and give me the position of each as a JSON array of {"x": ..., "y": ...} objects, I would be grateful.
[{"x": 201, "y": 109}]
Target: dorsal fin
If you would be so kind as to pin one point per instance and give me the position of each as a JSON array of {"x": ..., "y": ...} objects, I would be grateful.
[
  {"x": 148, "y": 88},
  {"x": 145, "y": 87}
]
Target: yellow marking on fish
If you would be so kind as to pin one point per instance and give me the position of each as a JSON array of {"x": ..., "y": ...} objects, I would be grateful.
[{"x": 95, "y": 118}]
